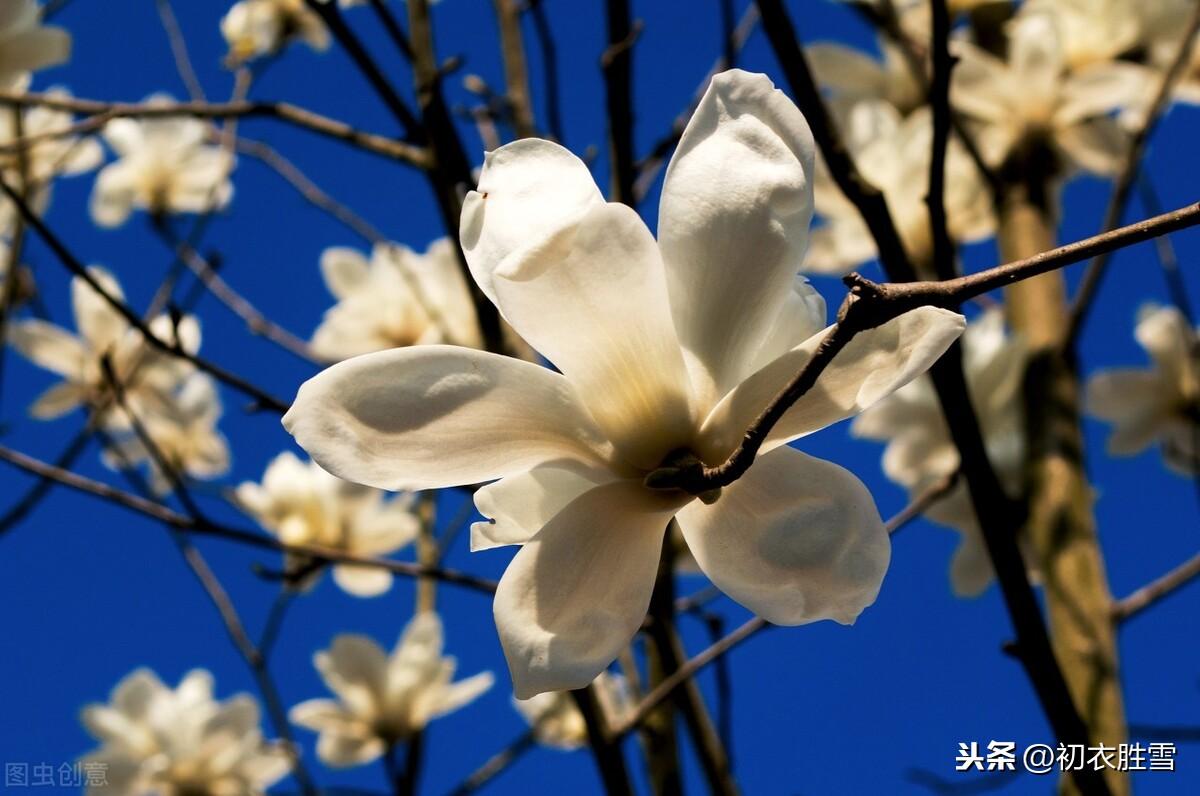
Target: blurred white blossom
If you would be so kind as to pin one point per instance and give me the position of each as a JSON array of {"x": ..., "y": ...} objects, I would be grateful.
[
  {"x": 1094, "y": 31},
  {"x": 850, "y": 75},
  {"x": 920, "y": 452},
  {"x": 253, "y": 28},
  {"x": 668, "y": 350},
  {"x": 163, "y": 742},
  {"x": 397, "y": 298},
  {"x": 304, "y": 505},
  {"x": 1033, "y": 101},
  {"x": 1156, "y": 405},
  {"x": 49, "y": 157},
  {"x": 164, "y": 165},
  {"x": 26, "y": 44},
  {"x": 384, "y": 699},
  {"x": 893, "y": 155},
  {"x": 555, "y": 717},
  {"x": 148, "y": 377},
  {"x": 184, "y": 434}
]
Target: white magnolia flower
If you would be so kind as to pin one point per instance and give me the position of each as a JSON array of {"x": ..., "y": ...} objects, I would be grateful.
[
  {"x": 1159, "y": 405},
  {"x": 155, "y": 740},
  {"x": 184, "y": 433},
  {"x": 920, "y": 452},
  {"x": 398, "y": 298},
  {"x": 304, "y": 505},
  {"x": 254, "y": 28},
  {"x": 667, "y": 349},
  {"x": 1034, "y": 101},
  {"x": 40, "y": 163},
  {"x": 383, "y": 699},
  {"x": 851, "y": 75},
  {"x": 893, "y": 155},
  {"x": 163, "y": 166},
  {"x": 1164, "y": 25},
  {"x": 555, "y": 718},
  {"x": 1093, "y": 31},
  {"x": 25, "y": 43},
  {"x": 148, "y": 377}
]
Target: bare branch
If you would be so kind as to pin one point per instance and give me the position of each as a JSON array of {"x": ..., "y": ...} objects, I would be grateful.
[
  {"x": 921, "y": 503},
  {"x": 73, "y": 264},
  {"x": 205, "y": 527},
  {"x": 99, "y": 113},
  {"x": 939, "y": 100},
  {"x": 870, "y": 304},
  {"x": 1124, "y": 182},
  {"x": 179, "y": 50},
  {"x": 1156, "y": 590},
  {"x": 516, "y": 74},
  {"x": 685, "y": 672}
]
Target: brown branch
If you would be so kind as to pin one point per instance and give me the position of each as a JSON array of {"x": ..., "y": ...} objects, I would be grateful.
[
  {"x": 392, "y": 26},
  {"x": 939, "y": 100},
  {"x": 545, "y": 38},
  {"x": 684, "y": 674},
  {"x": 239, "y": 305},
  {"x": 1152, "y": 592},
  {"x": 497, "y": 763},
  {"x": 77, "y": 268},
  {"x": 516, "y": 73},
  {"x": 331, "y": 15},
  {"x": 921, "y": 503},
  {"x": 99, "y": 113},
  {"x": 179, "y": 50},
  {"x": 869, "y": 200},
  {"x": 1125, "y": 180},
  {"x": 205, "y": 527},
  {"x": 449, "y": 173},
  {"x": 606, "y": 748},
  {"x": 309, "y": 190},
  {"x": 870, "y": 304},
  {"x": 617, "y": 65},
  {"x": 649, "y": 167}
]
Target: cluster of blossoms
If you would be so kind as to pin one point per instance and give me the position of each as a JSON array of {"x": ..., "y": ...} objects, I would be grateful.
[{"x": 1060, "y": 93}]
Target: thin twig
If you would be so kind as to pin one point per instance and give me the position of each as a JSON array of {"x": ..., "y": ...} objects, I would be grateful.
[
  {"x": 1124, "y": 182},
  {"x": 206, "y": 527},
  {"x": 174, "y": 348},
  {"x": 497, "y": 763},
  {"x": 516, "y": 73},
  {"x": 648, "y": 168},
  {"x": 179, "y": 50},
  {"x": 100, "y": 113},
  {"x": 1156, "y": 590},
  {"x": 870, "y": 304},
  {"x": 921, "y": 503},
  {"x": 309, "y": 190},
  {"x": 939, "y": 100},
  {"x": 685, "y": 672},
  {"x": 545, "y": 37}
]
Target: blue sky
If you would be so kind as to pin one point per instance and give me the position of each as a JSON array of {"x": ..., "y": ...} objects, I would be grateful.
[{"x": 91, "y": 592}]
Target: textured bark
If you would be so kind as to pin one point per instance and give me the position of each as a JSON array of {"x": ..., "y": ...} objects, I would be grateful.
[{"x": 1060, "y": 527}]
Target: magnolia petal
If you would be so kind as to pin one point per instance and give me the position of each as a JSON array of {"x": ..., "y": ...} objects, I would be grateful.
[
  {"x": 801, "y": 316},
  {"x": 35, "y": 49},
  {"x": 1097, "y": 145},
  {"x": 362, "y": 581},
  {"x": 462, "y": 693},
  {"x": 98, "y": 323},
  {"x": 49, "y": 347},
  {"x": 1135, "y": 401},
  {"x": 354, "y": 667},
  {"x": 575, "y": 594},
  {"x": 1099, "y": 89},
  {"x": 846, "y": 70},
  {"x": 58, "y": 400},
  {"x": 342, "y": 751},
  {"x": 344, "y": 270},
  {"x": 733, "y": 222},
  {"x": 593, "y": 299},
  {"x": 971, "y": 570},
  {"x": 874, "y": 364},
  {"x": 519, "y": 505},
  {"x": 438, "y": 416},
  {"x": 114, "y": 194},
  {"x": 528, "y": 190},
  {"x": 795, "y": 540}
]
